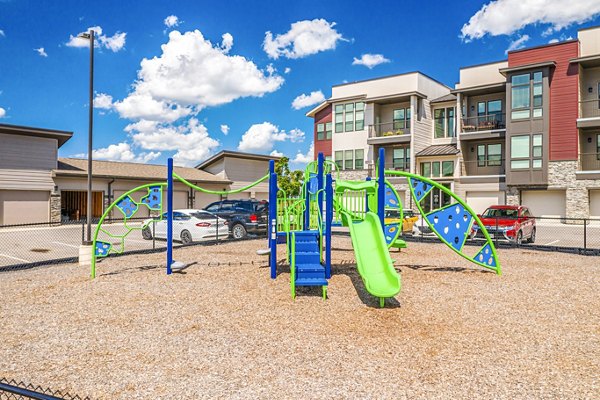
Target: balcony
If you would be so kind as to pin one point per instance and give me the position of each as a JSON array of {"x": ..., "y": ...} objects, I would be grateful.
[
  {"x": 589, "y": 114},
  {"x": 389, "y": 132},
  {"x": 478, "y": 169},
  {"x": 491, "y": 125},
  {"x": 589, "y": 162}
]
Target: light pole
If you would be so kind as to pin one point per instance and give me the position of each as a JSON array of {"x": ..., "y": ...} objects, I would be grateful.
[{"x": 88, "y": 238}]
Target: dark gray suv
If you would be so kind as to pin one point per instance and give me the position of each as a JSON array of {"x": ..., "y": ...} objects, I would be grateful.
[{"x": 243, "y": 216}]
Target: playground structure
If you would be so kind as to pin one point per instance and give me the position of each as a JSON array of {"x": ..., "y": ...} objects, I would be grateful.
[{"x": 304, "y": 224}]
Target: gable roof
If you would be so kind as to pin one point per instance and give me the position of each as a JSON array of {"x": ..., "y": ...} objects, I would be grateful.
[
  {"x": 445, "y": 98},
  {"x": 235, "y": 154},
  {"x": 77, "y": 167},
  {"x": 60, "y": 136}
]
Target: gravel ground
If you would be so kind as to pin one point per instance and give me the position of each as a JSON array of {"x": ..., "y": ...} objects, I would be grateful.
[{"x": 231, "y": 332}]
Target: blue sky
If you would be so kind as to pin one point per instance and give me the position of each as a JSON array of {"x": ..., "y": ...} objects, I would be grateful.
[{"x": 211, "y": 64}]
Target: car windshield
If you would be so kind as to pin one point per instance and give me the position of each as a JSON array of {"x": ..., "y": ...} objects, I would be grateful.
[
  {"x": 202, "y": 215},
  {"x": 501, "y": 213}
]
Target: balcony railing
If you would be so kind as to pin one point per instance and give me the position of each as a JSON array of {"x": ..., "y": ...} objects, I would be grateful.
[
  {"x": 589, "y": 108},
  {"x": 589, "y": 161},
  {"x": 389, "y": 129},
  {"x": 489, "y": 166},
  {"x": 484, "y": 122}
]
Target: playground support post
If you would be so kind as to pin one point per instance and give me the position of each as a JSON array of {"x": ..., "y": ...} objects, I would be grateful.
[
  {"x": 328, "y": 222},
  {"x": 272, "y": 233},
  {"x": 381, "y": 186},
  {"x": 320, "y": 161},
  {"x": 169, "y": 215}
]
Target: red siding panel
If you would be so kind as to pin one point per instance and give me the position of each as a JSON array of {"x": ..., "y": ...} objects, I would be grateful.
[
  {"x": 564, "y": 107},
  {"x": 322, "y": 146}
]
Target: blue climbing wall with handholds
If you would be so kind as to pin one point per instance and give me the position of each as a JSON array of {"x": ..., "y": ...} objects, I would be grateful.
[
  {"x": 153, "y": 199},
  {"x": 390, "y": 232},
  {"x": 127, "y": 206},
  {"x": 391, "y": 199},
  {"x": 420, "y": 189},
  {"x": 486, "y": 256},
  {"x": 102, "y": 248},
  {"x": 452, "y": 223}
]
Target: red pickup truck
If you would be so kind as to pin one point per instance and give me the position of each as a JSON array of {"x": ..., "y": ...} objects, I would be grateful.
[{"x": 512, "y": 223}]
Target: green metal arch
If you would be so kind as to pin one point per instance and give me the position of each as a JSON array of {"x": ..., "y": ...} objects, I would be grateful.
[{"x": 466, "y": 207}]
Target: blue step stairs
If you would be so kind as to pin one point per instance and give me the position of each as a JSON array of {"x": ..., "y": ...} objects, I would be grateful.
[{"x": 309, "y": 269}]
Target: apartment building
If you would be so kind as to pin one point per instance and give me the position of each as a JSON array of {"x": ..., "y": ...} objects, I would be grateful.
[{"x": 525, "y": 130}]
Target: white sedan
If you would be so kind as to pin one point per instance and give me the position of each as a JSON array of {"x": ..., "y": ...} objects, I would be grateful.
[{"x": 188, "y": 226}]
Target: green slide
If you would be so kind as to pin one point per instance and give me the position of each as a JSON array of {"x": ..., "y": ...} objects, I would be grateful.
[{"x": 373, "y": 260}]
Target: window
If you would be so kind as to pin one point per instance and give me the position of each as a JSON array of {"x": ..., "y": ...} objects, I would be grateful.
[
  {"x": 435, "y": 169},
  {"x": 489, "y": 155},
  {"x": 359, "y": 159},
  {"x": 519, "y": 152},
  {"x": 339, "y": 159},
  {"x": 328, "y": 130},
  {"x": 527, "y": 95},
  {"x": 536, "y": 151},
  {"x": 349, "y": 117},
  {"x": 598, "y": 146},
  {"x": 401, "y": 158},
  {"x": 349, "y": 159},
  {"x": 339, "y": 118},
  {"x": 320, "y": 131},
  {"x": 447, "y": 168},
  {"x": 401, "y": 118},
  {"x": 439, "y": 117},
  {"x": 444, "y": 122},
  {"x": 426, "y": 169}
]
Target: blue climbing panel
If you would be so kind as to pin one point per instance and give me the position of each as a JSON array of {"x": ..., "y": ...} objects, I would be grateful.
[
  {"x": 486, "y": 256},
  {"x": 420, "y": 189},
  {"x": 452, "y": 224},
  {"x": 391, "y": 200},
  {"x": 127, "y": 206},
  {"x": 390, "y": 232},
  {"x": 102, "y": 248},
  {"x": 153, "y": 199},
  {"x": 313, "y": 184}
]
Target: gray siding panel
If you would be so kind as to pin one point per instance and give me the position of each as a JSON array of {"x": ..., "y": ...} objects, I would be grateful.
[
  {"x": 26, "y": 179},
  {"x": 27, "y": 152}
]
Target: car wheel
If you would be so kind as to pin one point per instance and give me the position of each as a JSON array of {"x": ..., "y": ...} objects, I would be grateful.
[
  {"x": 532, "y": 237},
  {"x": 186, "y": 237},
  {"x": 238, "y": 231},
  {"x": 519, "y": 238},
  {"x": 147, "y": 233}
]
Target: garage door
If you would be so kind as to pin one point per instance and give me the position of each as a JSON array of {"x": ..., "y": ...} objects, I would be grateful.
[
  {"x": 480, "y": 201},
  {"x": 595, "y": 203},
  {"x": 24, "y": 207},
  {"x": 239, "y": 196},
  {"x": 545, "y": 203},
  {"x": 261, "y": 196}
]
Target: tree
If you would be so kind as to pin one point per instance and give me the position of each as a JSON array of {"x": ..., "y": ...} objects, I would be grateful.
[{"x": 289, "y": 181}]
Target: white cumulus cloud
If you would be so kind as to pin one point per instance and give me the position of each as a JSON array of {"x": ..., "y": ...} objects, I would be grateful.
[
  {"x": 287, "y": 70},
  {"x": 303, "y": 159},
  {"x": 191, "y": 140},
  {"x": 276, "y": 153},
  {"x": 190, "y": 74},
  {"x": 303, "y": 39},
  {"x": 262, "y": 137},
  {"x": 103, "y": 101},
  {"x": 2, "y": 33},
  {"x": 303, "y": 100},
  {"x": 370, "y": 60},
  {"x": 2, "y": 112},
  {"x": 517, "y": 43},
  {"x": 41, "y": 52},
  {"x": 504, "y": 17},
  {"x": 224, "y": 129},
  {"x": 113, "y": 43},
  {"x": 171, "y": 21},
  {"x": 120, "y": 152}
]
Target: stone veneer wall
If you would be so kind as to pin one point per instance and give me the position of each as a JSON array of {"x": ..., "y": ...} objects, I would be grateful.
[
  {"x": 55, "y": 215},
  {"x": 562, "y": 174}
]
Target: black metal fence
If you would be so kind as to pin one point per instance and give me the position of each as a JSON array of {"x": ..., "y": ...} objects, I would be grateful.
[
  {"x": 30, "y": 245},
  {"x": 16, "y": 390}
]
